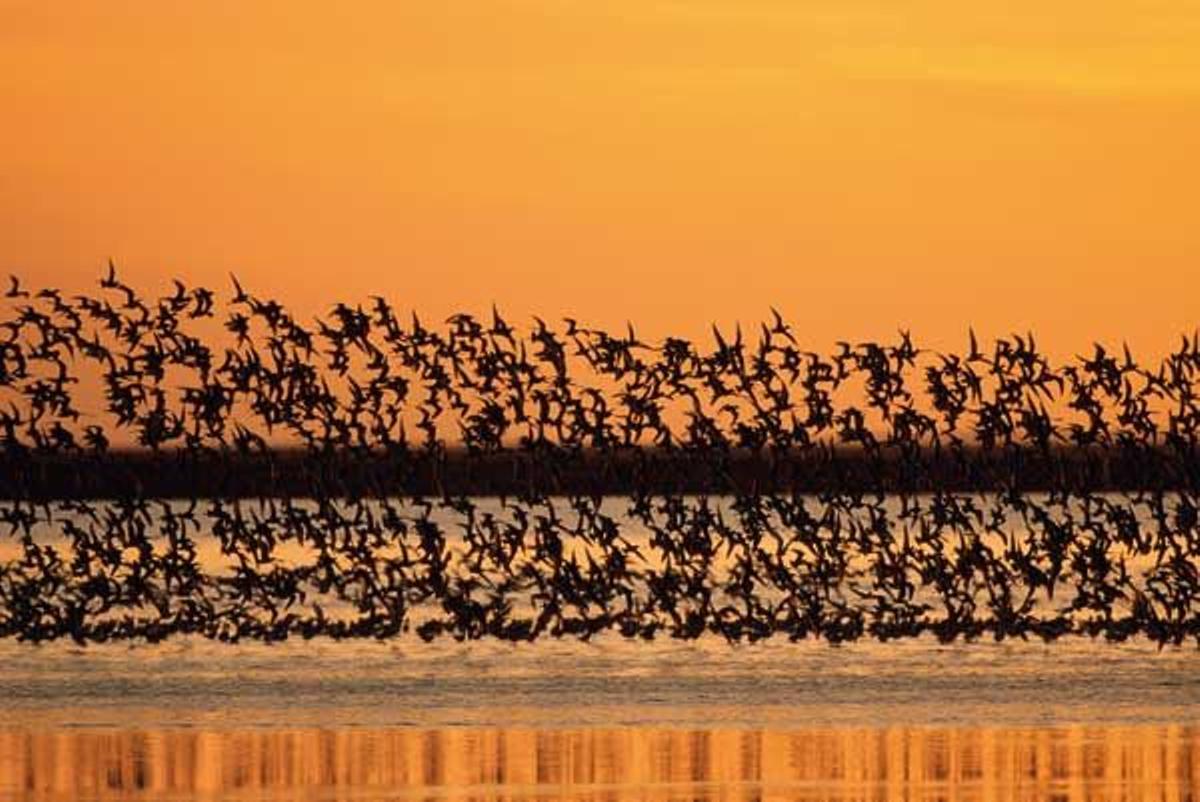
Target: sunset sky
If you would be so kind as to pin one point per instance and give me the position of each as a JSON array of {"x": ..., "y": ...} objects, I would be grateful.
[{"x": 860, "y": 164}]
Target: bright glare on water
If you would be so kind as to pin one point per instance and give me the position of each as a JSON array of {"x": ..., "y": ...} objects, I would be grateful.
[{"x": 609, "y": 719}]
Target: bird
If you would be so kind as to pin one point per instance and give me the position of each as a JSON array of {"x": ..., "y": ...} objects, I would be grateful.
[
  {"x": 14, "y": 289},
  {"x": 903, "y": 447}
]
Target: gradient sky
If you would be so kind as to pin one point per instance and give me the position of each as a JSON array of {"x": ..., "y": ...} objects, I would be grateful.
[{"x": 860, "y": 164}]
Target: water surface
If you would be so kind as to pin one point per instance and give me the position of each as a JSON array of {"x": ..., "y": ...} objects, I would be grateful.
[{"x": 611, "y": 719}]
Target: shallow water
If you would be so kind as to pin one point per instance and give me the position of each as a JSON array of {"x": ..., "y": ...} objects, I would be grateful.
[
  {"x": 606, "y": 682},
  {"x": 1070, "y": 764},
  {"x": 610, "y": 720}
]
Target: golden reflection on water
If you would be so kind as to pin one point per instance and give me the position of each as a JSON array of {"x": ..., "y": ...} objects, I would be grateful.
[{"x": 1067, "y": 764}]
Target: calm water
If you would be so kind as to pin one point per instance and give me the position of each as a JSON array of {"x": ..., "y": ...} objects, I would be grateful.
[
  {"x": 1068, "y": 763},
  {"x": 604, "y": 720}
]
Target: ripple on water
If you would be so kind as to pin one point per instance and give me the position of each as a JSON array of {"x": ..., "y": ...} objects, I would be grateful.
[{"x": 568, "y": 683}]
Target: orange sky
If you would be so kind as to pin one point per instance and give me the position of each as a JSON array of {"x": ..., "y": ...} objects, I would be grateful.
[{"x": 860, "y": 164}]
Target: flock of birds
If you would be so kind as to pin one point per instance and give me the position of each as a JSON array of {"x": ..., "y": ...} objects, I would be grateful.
[{"x": 85, "y": 376}]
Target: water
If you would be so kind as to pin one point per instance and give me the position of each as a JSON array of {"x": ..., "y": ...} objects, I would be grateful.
[
  {"x": 609, "y": 719},
  {"x": 1068, "y": 764},
  {"x": 607, "y": 682}
]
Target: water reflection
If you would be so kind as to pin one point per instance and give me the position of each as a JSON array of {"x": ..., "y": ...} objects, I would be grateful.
[{"x": 1067, "y": 764}]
